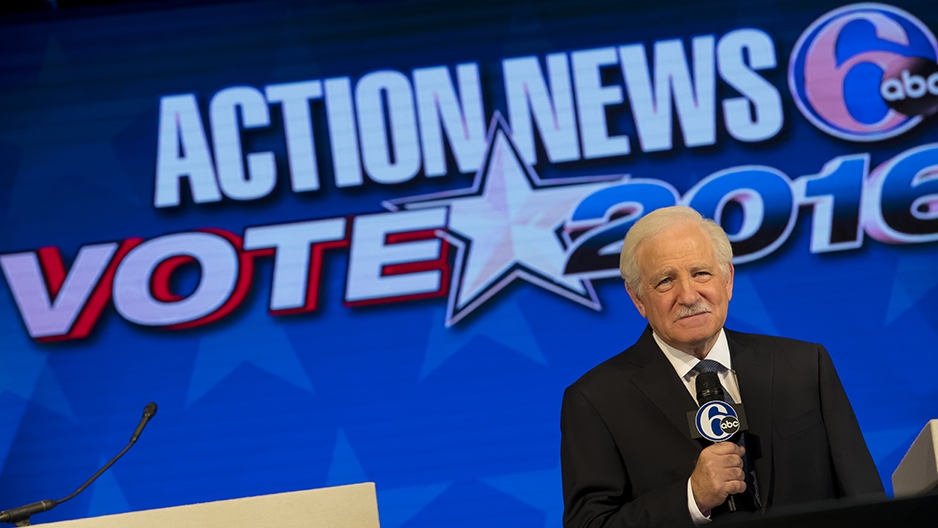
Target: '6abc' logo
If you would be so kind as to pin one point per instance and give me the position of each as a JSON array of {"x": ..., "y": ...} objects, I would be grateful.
[
  {"x": 865, "y": 72},
  {"x": 716, "y": 421}
]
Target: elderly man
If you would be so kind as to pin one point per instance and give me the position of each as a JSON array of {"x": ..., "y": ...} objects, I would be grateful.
[{"x": 627, "y": 454}]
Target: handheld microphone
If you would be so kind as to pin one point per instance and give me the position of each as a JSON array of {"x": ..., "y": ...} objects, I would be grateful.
[
  {"x": 20, "y": 516},
  {"x": 715, "y": 420}
]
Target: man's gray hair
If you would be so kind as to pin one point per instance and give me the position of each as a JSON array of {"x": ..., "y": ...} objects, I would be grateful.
[{"x": 657, "y": 221}]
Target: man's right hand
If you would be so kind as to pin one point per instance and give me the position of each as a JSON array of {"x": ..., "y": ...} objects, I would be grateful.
[{"x": 718, "y": 474}]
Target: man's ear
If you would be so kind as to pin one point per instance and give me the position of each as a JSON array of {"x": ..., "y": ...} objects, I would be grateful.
[
  {"x": 729, "y": 283},
  {"x": 637, "y": 301}
]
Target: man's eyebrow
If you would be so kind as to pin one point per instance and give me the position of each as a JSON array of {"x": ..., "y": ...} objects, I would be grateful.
[{"x": 662, "y": 273}]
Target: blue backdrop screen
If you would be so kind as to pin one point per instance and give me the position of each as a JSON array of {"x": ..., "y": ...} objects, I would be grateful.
[{"x": 374, "y": 241}]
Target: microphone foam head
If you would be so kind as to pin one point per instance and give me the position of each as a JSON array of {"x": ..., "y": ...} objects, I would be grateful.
[{"x": 709, "y": 388}]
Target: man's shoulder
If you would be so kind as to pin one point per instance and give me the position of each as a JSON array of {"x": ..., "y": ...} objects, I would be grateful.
[
  {"x": 612, "y": 368},
  {"x": 770, "y": 344},
  {"x": 615, "y": 369}
]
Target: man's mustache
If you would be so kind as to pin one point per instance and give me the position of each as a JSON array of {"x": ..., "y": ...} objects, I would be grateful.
[{"x": 694, "y": 309}]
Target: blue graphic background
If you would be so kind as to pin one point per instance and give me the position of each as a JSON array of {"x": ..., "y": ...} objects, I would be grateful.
[{"x": 457, "y": 426}]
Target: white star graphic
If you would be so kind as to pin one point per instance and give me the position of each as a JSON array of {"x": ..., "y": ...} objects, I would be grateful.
[{"x": 505, "y": 227}]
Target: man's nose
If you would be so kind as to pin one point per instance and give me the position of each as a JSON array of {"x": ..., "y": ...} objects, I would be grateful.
[{"x": 686, "y": 291}]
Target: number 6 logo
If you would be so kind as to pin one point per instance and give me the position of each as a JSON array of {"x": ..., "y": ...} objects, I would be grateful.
[
  {"x": 835, "y": 75},
  {"x": 716, "y": 421}
]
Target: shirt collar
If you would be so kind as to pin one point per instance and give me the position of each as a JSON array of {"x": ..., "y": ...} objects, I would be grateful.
[{"x": 683, "y": 362}]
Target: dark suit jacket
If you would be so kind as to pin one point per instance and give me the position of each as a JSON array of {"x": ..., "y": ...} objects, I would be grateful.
[{"x": 626, "y": 450}]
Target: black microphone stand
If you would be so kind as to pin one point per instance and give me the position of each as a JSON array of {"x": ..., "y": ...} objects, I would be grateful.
[{"x": 20, "y": 516}]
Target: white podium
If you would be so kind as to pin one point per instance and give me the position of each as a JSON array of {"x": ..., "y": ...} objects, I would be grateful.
[
  {"x": 918, "y": 471},
  {"x": 353, "y": 506}
]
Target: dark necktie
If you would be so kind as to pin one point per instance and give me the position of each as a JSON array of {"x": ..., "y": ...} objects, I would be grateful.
[{"x": 708, "y": 365}]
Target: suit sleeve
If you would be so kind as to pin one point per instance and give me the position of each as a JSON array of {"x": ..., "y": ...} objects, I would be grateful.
[
  {"x": 596, "y": 485},
  {"x": 855, "y": 472}
]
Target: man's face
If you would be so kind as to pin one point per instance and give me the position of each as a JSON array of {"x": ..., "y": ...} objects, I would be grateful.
[{"x": 683, "y": 292}]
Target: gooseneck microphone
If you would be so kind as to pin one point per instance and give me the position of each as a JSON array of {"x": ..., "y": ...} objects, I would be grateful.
[
  {"x": 20, "y": 516},
  {"x": 148, "y": 412},
  {"x": 710, "y": 389}
]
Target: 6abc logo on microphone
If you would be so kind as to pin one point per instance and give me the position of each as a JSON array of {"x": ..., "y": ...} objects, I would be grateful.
[{"x": 717, "y": 421}]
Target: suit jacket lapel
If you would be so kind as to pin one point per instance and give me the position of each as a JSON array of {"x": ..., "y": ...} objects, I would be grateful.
[
  {"x": 658, "y": 381},
  {"x": 754, "y": 375}
]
